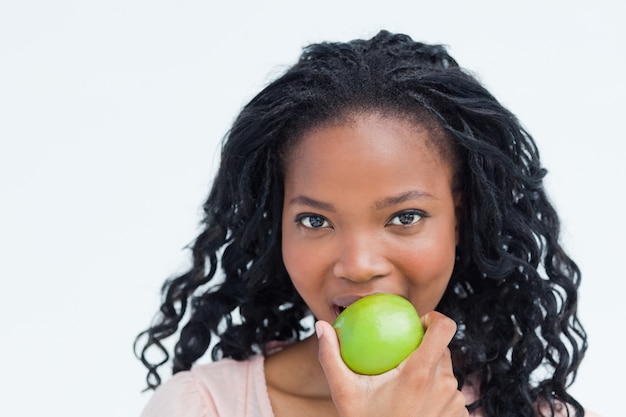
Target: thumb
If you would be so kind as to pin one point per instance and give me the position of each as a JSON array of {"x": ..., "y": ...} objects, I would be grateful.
[{"x": 328, "y": 350}]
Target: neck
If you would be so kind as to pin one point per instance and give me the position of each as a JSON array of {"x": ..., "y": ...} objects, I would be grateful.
[{"x": 296, "y": 369}]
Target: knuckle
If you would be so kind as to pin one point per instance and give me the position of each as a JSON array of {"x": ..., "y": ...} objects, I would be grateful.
[
  {"x": 451, "y": 385},
  {"x": 459, "y": 402},
  {"x": 449, "y": 324},
  {"x": 440, "y": 321}
]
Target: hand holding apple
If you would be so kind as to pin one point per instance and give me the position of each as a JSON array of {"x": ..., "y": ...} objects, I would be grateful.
[{"x": 422, "y": 385}]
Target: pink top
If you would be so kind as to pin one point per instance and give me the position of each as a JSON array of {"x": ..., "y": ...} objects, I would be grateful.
[{"x": 225, "y": 388}]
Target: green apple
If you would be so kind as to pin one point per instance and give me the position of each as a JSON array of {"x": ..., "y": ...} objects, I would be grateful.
[{"x": 377, "y": 332}]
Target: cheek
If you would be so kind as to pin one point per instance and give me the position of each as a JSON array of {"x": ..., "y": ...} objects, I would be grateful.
[
  {"x": 290, "y": 259},
  {"x": 300, "y": 261},
  {"x": 288, "y": 252},
  {"x": 433, "y": 263},
  {"x": 429, "y": 265},
  {"x": 307, "y": 271}
]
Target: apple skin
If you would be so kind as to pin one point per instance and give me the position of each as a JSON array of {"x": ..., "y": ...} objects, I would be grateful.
[{"x": 377, "y": 332}]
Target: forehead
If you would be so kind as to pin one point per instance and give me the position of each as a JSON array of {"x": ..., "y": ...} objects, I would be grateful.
[
  {"x": 371, "y": 152},
  {"x": 424, "y": 134}
]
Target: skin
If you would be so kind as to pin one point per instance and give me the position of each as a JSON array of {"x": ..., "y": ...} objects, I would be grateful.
[{"x": 368, "y": 208}]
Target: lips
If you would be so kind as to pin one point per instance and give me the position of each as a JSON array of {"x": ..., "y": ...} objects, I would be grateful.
[
  {"x": 337, "y": 309},
  {"x": 341, "y": 303}
]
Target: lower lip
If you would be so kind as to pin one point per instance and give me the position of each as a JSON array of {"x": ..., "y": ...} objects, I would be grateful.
[{"x": 338, "y": 310}]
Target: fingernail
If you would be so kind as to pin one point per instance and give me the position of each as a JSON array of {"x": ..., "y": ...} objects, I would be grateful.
[{"x": 318, "y": 329}]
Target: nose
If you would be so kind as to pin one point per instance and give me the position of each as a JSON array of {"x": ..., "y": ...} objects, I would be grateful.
[{"x": 360, "y": 258}]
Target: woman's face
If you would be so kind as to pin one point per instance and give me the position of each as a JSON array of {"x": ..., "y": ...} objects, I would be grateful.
[{"x": 368, "y": 208}]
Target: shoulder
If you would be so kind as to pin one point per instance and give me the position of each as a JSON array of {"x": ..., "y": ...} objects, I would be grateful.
[
  {"x": 564, "y": 410},
  {"x": 471, "y": 392},
  {"x": 567, "y": 410},
  {"x": 223, "y": 388}
]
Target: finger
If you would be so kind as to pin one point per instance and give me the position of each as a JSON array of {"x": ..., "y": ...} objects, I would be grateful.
[
  {"x": 435, "y": 317},
  {"x": 439, "y": 331},
  {"x": 328, "y": 351}
]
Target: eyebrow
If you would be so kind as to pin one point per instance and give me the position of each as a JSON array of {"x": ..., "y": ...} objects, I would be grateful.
[
  {"x": 308, "y": 201},
  {"x": 401, "y": 198},
  {"x": 378, "y": 205}
]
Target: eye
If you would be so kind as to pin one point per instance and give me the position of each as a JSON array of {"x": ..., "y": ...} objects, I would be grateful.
[
  {"x": 312, "y": 221},
  {"x": 407, "y": 218}
]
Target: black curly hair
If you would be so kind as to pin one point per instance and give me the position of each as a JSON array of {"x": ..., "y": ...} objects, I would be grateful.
[{"x": 513, "y": 291}]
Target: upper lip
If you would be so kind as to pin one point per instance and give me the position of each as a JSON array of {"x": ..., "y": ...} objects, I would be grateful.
[{"x": 345, "y": 300}]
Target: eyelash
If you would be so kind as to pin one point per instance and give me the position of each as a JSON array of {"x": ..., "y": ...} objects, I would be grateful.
[
  {"x": 413, "y": 212},
  {"x": 300, "y": 219}
]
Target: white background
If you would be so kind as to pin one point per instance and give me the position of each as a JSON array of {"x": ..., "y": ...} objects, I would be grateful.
[{"x": 110, "y": 117}]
